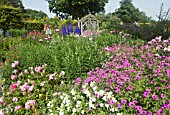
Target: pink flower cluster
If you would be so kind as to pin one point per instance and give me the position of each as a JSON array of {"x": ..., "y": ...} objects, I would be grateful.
[
  {"x": 29, "y": 103},
  {"x": 15, "y": 64},
  {"x": 136, "y": 70}
]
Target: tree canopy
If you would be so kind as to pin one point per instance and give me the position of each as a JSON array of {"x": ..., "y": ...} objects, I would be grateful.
[
  {"x": 14, "y": 3},
  {"x": 34, "y": 14},
  {"x": 76, "y": 8},
  {"x": 128, "y": 13}
]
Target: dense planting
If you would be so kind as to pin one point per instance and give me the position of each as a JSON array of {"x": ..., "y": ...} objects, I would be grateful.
[{"x": 135, "y": 80}]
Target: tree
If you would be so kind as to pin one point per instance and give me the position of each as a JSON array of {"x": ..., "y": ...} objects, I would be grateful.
[
  {"x": 34, "y": 14},
  {"x": 128, "y": 13},
  {"x": 14, "y": 3},
  {"x": 76, "y": 8}
]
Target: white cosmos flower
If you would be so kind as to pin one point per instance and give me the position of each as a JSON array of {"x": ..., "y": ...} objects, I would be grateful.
[
  {"x": 101, "y": 104},
  {"x": 92, "y": 84},
  {"x": 114, "y": 100},
  {"x": 101, "y": 92},
  {"x": 91, "y": 104},
  {"x": 82, "y": 112},
  {"x": 119, "y": 114},
  {"x": 107, "y": 105},
  {"x": 74, "y": 98},
  {"x": 112, "y": 110},
  {"x": 85, "y": 85},
  {"x": 104, "y": 98},
  {"x": 87, "y": 93},
  {"x": 61, "y": 97},
  {"x": 74, "y": 110},
  {"x": 109, "y": 94},
  {"x": 61, "y": 112},
  {"x": 67, "y": 102},
  {"x": 78, "y": 102},
  {"x": 94, "y": 88},
  {"x": 73, "y": 92}
]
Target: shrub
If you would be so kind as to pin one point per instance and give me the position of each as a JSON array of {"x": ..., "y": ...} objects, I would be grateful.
[{"x": 10, "y": 18}]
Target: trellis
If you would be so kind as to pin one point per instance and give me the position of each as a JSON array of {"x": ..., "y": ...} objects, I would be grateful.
[{"x": 88, "y": 22}]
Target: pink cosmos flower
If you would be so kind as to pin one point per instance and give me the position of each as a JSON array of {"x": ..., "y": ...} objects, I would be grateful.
[
  {"x": 13, "y": 77},
  {"x": 15, "y": 71},
  {"x": 163, "y": 95},
  {"x": 123, "y": 101},
  {"x": 38, "y": 69},
  {"x": 31, "y": 88},
  {"x": 17, "y": 108},
  {"x": 111, "y": 102},
  {"x": 119, "y": 105},
  {"x": 1, "y": 100},
  {"x": 13, "y": 87},
  {"x": 27, "y": 106},
  {"x": 31, "y": 102}
]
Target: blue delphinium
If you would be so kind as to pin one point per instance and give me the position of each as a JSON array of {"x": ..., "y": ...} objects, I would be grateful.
[
  {"x": 64, "y": 31},
  {"x": 70, "y": 28},
  {"x": 77, "y": 31}
]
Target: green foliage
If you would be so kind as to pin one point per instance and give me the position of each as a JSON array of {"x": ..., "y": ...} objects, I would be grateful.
[
  {"x": 33, "y": 14},
  {"x": 10, "y": 17},
  {"x": 17, "y": 32},
  {"x": 15, "y": 3},
  {"x": 33, "y": 25},
  {"x": 128, "y": 13},
  {"x": 78, "y": 8},
  {"x": 160, "y": 27},
  {"x": 72, "y": 55}
]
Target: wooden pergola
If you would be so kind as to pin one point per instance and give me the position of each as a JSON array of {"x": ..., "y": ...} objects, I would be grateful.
[{"x": 88, "y": 22}]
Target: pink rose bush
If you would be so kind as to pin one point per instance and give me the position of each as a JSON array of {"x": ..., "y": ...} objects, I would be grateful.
[{"x": 28, "y": 90}]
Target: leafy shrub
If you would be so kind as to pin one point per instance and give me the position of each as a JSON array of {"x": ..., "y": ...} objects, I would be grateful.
[
  {"x": 17, "y": 32},
  {"x": 31, "y": 25},
  {"x": 10, "y": 18}
]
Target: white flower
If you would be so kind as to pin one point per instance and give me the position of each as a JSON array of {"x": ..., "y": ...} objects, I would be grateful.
[
  {"x": 119, "y": 114},
  {"x": 78, "y": 102},
  {"x": 67, "y": 102},
  {"x": 62, "y": 105},
  {"x": 94, "y": 99},
  {"x": 74, "y": 110},
  {"x": 101, "y": 104},
  {"x": 94, "y": 88},
  {"x": 61, "y": 97},
  {"x": 85, "y": 85},
  {"x": 114, "y": 100},
  {"x": 62, "y": 73},
  {"x": 73, "y": 92},
  {"x": 109, "y": 94},
  {"x": 82, "y": 112},
  {"x": 107, "y": 105},
  {"x": 90, "y": 39},
  {"x": 91, "y": 104},
  {"x": 112, "y": 110},
  {"x": 104, "y": 98},
  {"x": 74, "y": 98},
  {"x": 87, "y": 93},
  {"x": 61, "y": 112},
  {"x": 92, "y": 84},
  {"x": 101, "y": 92}
]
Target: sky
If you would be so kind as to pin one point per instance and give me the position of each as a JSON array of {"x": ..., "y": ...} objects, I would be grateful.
[{"x": 150, "y": 7}]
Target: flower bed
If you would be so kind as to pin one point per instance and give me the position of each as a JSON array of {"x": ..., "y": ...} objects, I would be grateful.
[{"x": 134, "y": 81}]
